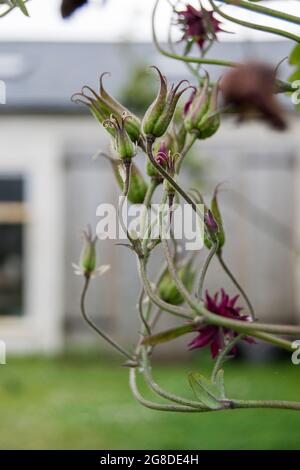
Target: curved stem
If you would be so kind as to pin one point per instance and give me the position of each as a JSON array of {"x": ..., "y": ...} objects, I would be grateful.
[
  {"x": 174, "y": 310},
  {"x": 222, "y": 356},
  {"x": 103, "y": 335},
  {"x": 247, "y": 24},
  {"x": 210, "y": 256},
  {"x": 141, "y": 313},
  {"x": 237, "y": 285},
  {"x": 263, "y": 10},
  {"x": 193, "y": 60},
  {"x": 185, "y": 152},
  {"x": 166, "y": 175},
  {"x": 169, "y": 396},
  {"x": 157, "y": 406}
]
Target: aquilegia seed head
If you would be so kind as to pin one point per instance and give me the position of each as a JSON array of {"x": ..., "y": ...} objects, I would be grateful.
[
  {"x": 123, "y": 145},
  {"x": 103, "y": 105},
  {"x": 201, "y": 112},
  {"x": 160, "y": 113}
]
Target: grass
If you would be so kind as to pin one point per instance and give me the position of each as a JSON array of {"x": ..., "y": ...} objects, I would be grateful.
[{"x": 83, "y": 402}]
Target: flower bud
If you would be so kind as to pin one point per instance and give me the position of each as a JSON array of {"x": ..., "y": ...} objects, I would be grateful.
[
  {"x": 160, "y": 113},
  {"x": 88, "y": 258},
  {"x": 202, "y": 117},
  {"x": 167, "y": 288},
  {"x": 103, "y": 105},
  {"x": 138, "y": 186},
  {"x": 124, "y": 146},
  {"x": 197, "y": 107}
]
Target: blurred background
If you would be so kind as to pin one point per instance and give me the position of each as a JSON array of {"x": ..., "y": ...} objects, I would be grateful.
[{"x": 60, "y": 381}]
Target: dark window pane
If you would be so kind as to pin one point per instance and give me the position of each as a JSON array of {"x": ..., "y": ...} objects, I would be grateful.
[
  {"x": 11, "y": 189},
  {"x": 11, "y": 275}
]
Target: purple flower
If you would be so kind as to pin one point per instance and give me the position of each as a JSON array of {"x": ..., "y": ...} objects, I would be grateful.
[
  {"x": 166, "y": 159},
  {"x": 213, "y": 335},
  {"x": 200, "y": 25}
]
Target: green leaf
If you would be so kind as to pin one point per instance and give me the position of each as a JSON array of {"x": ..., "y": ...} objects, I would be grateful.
[
  {"x": 205, "y": 391},
  {"x": 22, "y": 6},
  {"x": 168, "y": 335},
  {"x": 295, "y": 76},
  {"x": 220, "y": 383},
  {"x": 294, "y": 57},
  {"x": 218, "y": 218}
]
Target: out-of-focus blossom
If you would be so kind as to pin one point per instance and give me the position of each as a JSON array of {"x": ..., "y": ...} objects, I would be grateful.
[
  {"x": 249, "y": 88},
  {"x": 199, "y": 25}
]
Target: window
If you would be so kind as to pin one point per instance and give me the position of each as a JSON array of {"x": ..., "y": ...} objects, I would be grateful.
[{"x": 12, "y": 218}]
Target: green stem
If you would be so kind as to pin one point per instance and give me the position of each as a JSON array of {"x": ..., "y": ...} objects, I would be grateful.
[
  {"x": 157, "y": 406},
  {"x": 103, "y": 335},
  {"x": 247, "y": 24},
  {"x": 169, "y": 178},
  {"x": 222, "y": 356},
  {"x": 237, "y": 285},
  {"x": 174, "y": 310},
  {"x": 263, "y": 10},
  {"x": 210, "y": 256}
]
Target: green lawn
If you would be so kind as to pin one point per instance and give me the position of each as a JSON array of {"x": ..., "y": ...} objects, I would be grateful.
[{"x": 83, "y": 402}]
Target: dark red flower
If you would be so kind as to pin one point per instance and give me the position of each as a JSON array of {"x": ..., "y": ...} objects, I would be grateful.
[
  {"x": 215, "y": 336},
  {"x": 200, "y": 25}
]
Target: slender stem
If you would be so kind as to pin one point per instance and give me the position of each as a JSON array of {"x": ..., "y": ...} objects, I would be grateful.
[
  {"x": 280, "y": 404},
  {"x": 263, "y": 10},
  {"x": 205, "y": 267},
  {"x": 237, "y": 285},
  {"x": 169, "y": 178},
  {"x": 222, "y": 356},
  {"x": 247, "y": 24},
  {"x": 103, "y": 335},
  {"x": 174, "y": 310},
  {"x": 163, "y": 393},
  {"x": 185, "y": 152},
  {"x": 183, "y": 58},
  {"x": 141, "y": 313}
]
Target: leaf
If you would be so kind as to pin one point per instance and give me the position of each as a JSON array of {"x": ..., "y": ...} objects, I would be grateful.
[
  {"x": 295, "y": 76},
  {"x": 220, "y": 383},
  {"x": 294, "y": 58},
  {"x": 218, "y": 218},
  {"x": 168, "y": 335},
  {"x": 205, "y": 391},
  {"x": 22, "y": 6}
]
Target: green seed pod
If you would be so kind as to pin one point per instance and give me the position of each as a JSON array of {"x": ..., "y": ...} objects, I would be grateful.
[
  {"x": 210, "y": 122},
  {"x": 197, "y": 108},
  {"x": 102, "y": 106},
  {"x": 160, "y": 113},
  {"x": 137, "y": 187},
  {"x": 124, "y": 146},
  {"x": 218, "y": 218},
  {"x": 167, "y": 289}
]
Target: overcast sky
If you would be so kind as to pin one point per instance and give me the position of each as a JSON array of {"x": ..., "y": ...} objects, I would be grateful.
[{"x": 116, "y": 20}]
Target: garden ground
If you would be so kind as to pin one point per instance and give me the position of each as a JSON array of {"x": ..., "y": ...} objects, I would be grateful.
[{"x": 82, "y": 401}]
